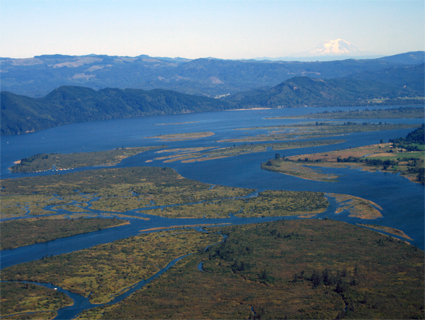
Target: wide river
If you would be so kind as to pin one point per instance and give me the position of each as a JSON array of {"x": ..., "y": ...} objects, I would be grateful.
[{"x": 402, "y": 201}]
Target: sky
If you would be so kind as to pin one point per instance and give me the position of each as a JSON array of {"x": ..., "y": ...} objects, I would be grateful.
[{"x": 226, "y": 29}]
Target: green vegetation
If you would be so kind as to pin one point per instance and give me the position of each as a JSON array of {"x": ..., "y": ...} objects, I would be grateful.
[
  {"x": 398, "y": 113},
  {"x": 109, "y": 269},
  {"x": 358, "y": 207},
  {"x": 192, "y": 155},
  {"x": 396, "y": 157},
  {"x": 70, "y": 104},
  {"x": 43, "y": 162},
  {"x": 298, "y": 269},
  {"x": 389, "y": 230},
  {"x": 110, "y": 189},
  {"x": 17, "y": 299},
  {"x": 17, "y": 233},
  {"x": 317, "y": 130},
  {"x": 182, "y": 136},
  {"x": 297, "y": 169},
  {"x": 266, "y": 204},
  {"x": 305, "y": 91},
  {"x": 65, "y": 105}
]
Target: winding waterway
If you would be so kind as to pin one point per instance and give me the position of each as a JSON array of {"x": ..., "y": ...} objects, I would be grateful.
[{"x": 402, "y": 201}]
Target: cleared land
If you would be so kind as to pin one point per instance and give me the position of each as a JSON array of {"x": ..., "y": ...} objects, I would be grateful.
[
  {"x": 60, "y": 161},
  {"x": 302, "y": 269},
  {"x": 384, "y": 157}
]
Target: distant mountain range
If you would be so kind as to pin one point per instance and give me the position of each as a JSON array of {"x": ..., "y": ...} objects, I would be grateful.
[
  {"x": 70, "y": 104},
  {"x": 397, "y": 79},
  {"x": 38, "y": 76}
]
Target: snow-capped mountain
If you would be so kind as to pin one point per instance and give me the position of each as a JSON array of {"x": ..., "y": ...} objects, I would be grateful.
[
  {"x": 332, "y": 50},
  {"x": 335, "y": 47}
]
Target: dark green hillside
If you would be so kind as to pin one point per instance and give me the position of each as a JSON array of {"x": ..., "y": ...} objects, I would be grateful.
[
  {"x": 409, "y": 79},
  {"x": 301, "y": 91},
  {"x": 65, "y": 105}
]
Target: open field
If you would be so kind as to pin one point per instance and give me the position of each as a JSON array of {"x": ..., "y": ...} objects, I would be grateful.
[
  {"x": 299, "y": 170},
  {"x": 62, "y": 161},
  {"x": 384, "y": 157},
  {"x": 298, "y": 269},
  {"x": 17, "y": 233},
  {"x": 19, "y": 299}
]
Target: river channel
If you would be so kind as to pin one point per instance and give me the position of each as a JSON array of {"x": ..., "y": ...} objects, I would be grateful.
[{"x": 402, "y": 201}]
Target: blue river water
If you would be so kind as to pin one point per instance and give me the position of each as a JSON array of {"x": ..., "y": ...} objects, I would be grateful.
[{"x": 402, "y": 201}]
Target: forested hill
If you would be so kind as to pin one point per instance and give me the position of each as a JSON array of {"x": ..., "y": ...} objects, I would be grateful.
[
  {"x": 65, "y": 105},
  {"x": 305, "y": 91}
]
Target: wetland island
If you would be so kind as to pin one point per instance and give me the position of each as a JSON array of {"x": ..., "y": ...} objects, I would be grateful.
[{"x": 307, "y": 205}]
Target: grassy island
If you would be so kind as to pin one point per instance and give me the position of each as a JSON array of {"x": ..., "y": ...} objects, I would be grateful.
[
  {"x": 186, "y": 155},
  {"x": 266, "y": 204},
  {"x": 29, "y": 301},
  {"x": 317, "y": 130},
  {"x": 358, "y": 207},
  {"x": 59, "y": 162},
  {"x": 17, "y": 233},
  {"x": 116, "y": 190},
  {"x": 182, "y": 136},
  {"x": 298, "y": 269}
]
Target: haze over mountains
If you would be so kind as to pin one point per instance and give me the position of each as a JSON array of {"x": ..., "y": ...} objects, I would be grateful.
[
  {"x": 211, "y": 77},
  {"x": 48, "y": 91}
]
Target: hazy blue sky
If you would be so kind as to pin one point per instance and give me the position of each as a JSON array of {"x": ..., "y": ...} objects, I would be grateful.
[{"x": 228, "y": 29}]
